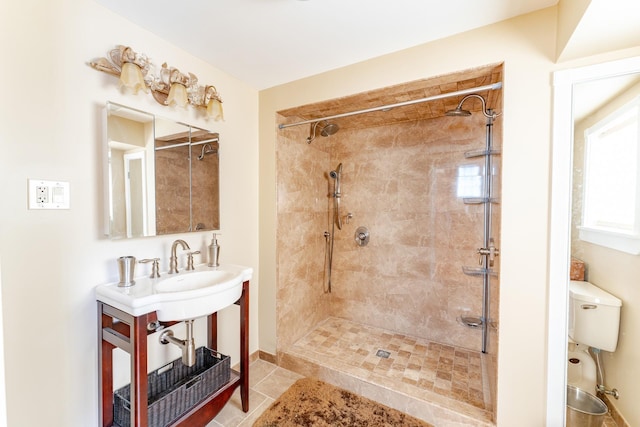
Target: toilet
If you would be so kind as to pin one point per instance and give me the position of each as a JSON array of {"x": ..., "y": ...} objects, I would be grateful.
[
  {"x": 581, "y": 368},
  {"x": 594, "y": 320}
]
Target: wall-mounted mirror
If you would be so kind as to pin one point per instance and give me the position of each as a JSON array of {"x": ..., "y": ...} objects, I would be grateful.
[
  {"x": 162, "y": 175},
  {"x": 606, "y": 114},
  {"x": 588, "y": 100}
]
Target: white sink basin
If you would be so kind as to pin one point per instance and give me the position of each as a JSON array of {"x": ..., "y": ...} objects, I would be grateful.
[
  {"x": 193, "y": 280},
  {"x": 181, "y": 296}
]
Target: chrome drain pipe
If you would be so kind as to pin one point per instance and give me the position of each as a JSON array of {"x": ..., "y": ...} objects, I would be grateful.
[{"x": 188, "y": 345}]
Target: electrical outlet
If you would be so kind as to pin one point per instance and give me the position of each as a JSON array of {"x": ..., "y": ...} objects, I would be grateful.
[
  {"x": 42, "y": 194},
  {"x": 48, "y": 194}
]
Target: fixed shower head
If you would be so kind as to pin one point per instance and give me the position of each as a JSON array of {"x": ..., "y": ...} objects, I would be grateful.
[
  {"x": 329, "y": 129},
  {"x": 326, "y": 129},
  {"x": 458, "y": 112}
]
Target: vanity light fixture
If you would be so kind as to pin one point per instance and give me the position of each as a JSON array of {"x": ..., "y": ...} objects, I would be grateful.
[
  {"x": 178, "y": 89},
  {"x": 131, "y": 77},
  {"x": 168, "y": 85}
]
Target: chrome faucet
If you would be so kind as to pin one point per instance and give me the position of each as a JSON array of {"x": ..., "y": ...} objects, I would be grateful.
[{"x": 173, "y": 261}]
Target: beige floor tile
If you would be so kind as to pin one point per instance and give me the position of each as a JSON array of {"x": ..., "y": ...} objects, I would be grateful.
[
  {"x": 277, "y": 382},
  {"x": 254, "y": 415},
  {"x": 259, "y": 370},
  {"x": 232, "y": 414}
]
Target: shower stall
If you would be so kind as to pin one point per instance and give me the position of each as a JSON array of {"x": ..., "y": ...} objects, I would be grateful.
[{"x": 415, "y": 310}]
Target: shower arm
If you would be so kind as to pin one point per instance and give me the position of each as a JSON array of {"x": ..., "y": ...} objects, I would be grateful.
[
  {"x": 489, "y": 114},
  {"x": 494, "y": 86},
  {"x": 312, "y": 135}
]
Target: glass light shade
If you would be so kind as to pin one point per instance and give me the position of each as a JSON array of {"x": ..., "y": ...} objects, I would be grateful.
[
  {"x": 214, "y": 110},
  {"x": 178, "y": 95},
  {"x": 131, "y": 77}
]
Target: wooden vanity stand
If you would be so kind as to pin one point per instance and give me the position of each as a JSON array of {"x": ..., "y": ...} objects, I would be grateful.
[{"x": 129, "y": 333}]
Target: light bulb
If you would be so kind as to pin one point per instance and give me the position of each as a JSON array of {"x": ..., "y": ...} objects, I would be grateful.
[
  {"x": 131, "y": 78},
  {"x": 178, "y": 95}
]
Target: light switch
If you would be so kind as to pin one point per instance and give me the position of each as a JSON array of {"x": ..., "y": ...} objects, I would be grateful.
[{"x": 48, "y": 194}]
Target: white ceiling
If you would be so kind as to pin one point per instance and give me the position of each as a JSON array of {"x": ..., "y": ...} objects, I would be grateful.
[{"x": 269, "y": 42}]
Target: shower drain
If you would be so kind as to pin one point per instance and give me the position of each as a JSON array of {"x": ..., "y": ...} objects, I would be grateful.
[{"x": 383, "y": 353}]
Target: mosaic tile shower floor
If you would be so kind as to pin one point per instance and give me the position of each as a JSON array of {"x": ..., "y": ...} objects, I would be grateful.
[
  {"x": 448, "y": 376},
  {"x": 444, "y": 369}
]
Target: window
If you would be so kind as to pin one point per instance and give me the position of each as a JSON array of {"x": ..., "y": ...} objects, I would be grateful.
[
  {"x": 611, "y": 204},
  {"x": 469, "y": 183}
]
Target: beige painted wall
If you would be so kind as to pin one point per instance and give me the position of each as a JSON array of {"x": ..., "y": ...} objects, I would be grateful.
[
  {"x": 570, "y": 12},
  {"x": 52, "y": 260},
  {"x": 3, "y": 393}
]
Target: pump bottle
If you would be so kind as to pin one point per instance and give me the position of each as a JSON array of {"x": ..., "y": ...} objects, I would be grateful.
[{"x": 214, "y": 252}]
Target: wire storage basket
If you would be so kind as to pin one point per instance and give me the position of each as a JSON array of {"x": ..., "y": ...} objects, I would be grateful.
[{"x": 175, "y": 388}]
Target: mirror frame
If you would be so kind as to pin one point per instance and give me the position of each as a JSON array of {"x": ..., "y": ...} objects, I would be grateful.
[
  {"x": 560, "y": 223},
  {"x": 106, "y": 148}
]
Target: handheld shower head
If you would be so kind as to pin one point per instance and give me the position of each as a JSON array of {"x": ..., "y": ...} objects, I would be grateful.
[{"x": 335, "y": 174}]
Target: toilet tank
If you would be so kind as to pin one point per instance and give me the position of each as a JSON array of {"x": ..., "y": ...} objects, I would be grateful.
[{"x": 594, "y": 316}]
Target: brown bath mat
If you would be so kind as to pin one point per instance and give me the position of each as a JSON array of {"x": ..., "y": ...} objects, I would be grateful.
[{"x": 313, "y": 403}]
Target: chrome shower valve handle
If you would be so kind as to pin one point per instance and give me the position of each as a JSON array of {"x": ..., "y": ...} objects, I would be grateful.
[
  {"x": 361, "y": 236},
  {"x": 348, "y": 217},
  {"x": 491, "y": 251}
]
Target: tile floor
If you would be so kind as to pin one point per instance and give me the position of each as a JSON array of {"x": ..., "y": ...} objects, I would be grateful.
[
  {"x": 266, "y": 383},
  {"x": 609, "y": 422},
  {"x": 413, "y": 367}
]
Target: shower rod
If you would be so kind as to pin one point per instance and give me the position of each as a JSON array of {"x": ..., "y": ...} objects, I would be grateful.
[{"x": 493, "y": 86}]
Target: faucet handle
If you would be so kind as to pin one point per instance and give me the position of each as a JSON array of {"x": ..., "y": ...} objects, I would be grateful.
[
  {"x": 155, "y": 267},
  {"x": 190, "y": 259}
]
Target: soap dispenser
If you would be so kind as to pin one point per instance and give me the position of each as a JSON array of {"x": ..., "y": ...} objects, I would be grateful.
[{"x": 214, "y": 252}]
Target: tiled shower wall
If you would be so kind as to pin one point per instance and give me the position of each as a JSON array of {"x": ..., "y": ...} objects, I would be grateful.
[
  {"x": 401, "y": 181},
  {"x": 172, "y": 190},
  {"x": 205, "y": 187},
  {"x": 173, "y": 167},
  {"x": 302, "y": 191}
]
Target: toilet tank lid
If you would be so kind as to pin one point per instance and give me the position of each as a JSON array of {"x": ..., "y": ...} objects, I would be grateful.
[{"x": 588, "y": 292}]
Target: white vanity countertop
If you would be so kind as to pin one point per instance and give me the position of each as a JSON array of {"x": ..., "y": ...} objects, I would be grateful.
[{"x": 146, "y": 295}]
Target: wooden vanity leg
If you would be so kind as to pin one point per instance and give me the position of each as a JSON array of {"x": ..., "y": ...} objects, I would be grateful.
[
  {"x": 212, "y": 331},
  {"x": 244, "y": 346},
  {"x": 139, "y": 372},
  {"x": 105, "y": 357}
]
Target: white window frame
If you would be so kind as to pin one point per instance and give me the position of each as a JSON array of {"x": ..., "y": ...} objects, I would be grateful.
[{"x": 618, "y": 238}]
